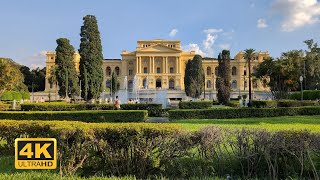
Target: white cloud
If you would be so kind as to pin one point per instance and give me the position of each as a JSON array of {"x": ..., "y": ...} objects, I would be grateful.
[
  {"x": 297, "y": 13},
  {"x": 36, "y": 60},
  {"x": 173, "y": 32},
  {"x": 194, "y": 47},
  {"x": 206, "y": 49},
  {"x": 262, "y": 23},
  {"x": 212, "y": 31},
  {"x": 225, "y": 46}
]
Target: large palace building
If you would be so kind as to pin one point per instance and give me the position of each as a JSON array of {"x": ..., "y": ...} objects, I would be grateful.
[{"x": 160, "y": 65}]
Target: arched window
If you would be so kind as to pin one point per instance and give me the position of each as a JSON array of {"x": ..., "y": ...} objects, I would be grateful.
[
  {"x": 117, "y": 69},
  {"x": 208, "y": 71},
  {"x": 234, "y": 71},
  {"x": 108, "y": 71},
  {"x": 145, "y": 83},
  {"x": 234, "y": 84},
  {"x": 171, "y": 84},
  {"x": 208, "y": 84},
  {"x": 130, "y": 84},
  {"x": 216, "y": 71},
  {"x": 158, "y": 83},
  {"x": 108, "y": 83}
]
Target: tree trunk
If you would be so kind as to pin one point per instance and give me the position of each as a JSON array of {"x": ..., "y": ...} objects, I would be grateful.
[{"x": 249, "y": 64}]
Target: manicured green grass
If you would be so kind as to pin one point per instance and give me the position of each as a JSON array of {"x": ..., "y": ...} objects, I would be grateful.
[{"x": 311, "y": 123}]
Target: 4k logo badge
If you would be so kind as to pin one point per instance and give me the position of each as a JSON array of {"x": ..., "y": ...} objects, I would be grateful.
[{"x": 35, "y": 153}]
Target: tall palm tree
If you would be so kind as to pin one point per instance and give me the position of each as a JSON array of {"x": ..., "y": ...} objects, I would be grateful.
[{"x": 248, "y": 56}]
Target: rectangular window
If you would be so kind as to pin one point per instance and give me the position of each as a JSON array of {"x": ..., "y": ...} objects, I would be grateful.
[
  {"x": 145, "y": 70},
  {"x": 158, "y": 70},
  {"x": 130, "y": 72},
  {"x": 171, "y": 70}
]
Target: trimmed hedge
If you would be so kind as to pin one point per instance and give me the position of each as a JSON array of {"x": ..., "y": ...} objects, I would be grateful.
[
  {"x": 4, "y": 107},
  {"x": 63, "y": 106},
  {"x": 264, "y": 104},
  {"x": 85, "y": 116},
  {"x": 307, "y": 95},
  {"x": 282, "y": 103},
  {"x": 195, "y": 104},
  {"x": 146, "y": 151},
  {"x": 153, "y": 109},
  {"x": 242, "y": 113}
]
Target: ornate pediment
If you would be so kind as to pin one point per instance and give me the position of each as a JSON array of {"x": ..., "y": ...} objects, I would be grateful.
[{"x": 159, "y": 48}]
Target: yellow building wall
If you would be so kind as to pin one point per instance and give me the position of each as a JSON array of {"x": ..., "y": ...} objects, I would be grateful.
[{"x": 163, "y": 60}]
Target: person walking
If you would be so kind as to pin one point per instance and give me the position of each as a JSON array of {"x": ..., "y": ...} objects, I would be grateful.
[{"x": 117, "y": 103}]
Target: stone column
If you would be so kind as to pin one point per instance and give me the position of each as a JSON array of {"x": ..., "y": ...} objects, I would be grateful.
[
  {"x": 152, "y": 64},
  {"x": 140, "y": 64},
  {"x": 166, "y": 65},
  {"x": 137, "y": 65},
  {"x": 177, "y": 64},
  {"x": 163, "y": 65}
]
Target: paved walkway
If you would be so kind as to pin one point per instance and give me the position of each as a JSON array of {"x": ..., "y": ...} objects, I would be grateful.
[{"x": 157, "y": 119}]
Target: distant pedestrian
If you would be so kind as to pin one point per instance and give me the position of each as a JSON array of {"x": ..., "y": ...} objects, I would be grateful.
[{"x": 117, "y": 103}]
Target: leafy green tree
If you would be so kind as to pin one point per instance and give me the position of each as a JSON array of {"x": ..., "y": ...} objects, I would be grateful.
[
  {"x": 35, "y": 76},
  {"x": 91, "y": 59},
  {"x": 10, "y": 76},
  {"x": 65, "y": 72},
  {"x": 311, "y": 66},
  {"x": 248, "y": 56},
  {"x": 114, "y": 83},
  {"x": 194, "y": 77},
  {"x": 281, "y": 75},
  {"x": 224, "y": 77}
]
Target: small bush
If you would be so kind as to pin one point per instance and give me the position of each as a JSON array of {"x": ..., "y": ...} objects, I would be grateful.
[
  {"x": 154, "y": 110},
  {"x": 242, "y": 113},
  {"x": 195, "y": 104},
  {"x": 4, "y": 107},
  {"x": 264, "y": 104},
  {"x": 85, "y": 116}
]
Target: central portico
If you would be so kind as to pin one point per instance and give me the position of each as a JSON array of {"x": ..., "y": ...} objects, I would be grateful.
[{"x": 157, "y": 64}]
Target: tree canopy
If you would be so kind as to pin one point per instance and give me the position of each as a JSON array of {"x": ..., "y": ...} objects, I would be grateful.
[
  {"x": 65, "y": 70},
  {"x": 10, "y": 76},
  {"x": 194, "y": 77},
  {"x": 91, "y": 73},
  {"x": 224, "y": 77}
]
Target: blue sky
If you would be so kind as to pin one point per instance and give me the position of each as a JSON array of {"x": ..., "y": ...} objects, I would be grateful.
[{"x": 29, "y": 28}]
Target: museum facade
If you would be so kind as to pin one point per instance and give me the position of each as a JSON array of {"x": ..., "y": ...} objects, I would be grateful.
[{"x": 160, "y": 64}]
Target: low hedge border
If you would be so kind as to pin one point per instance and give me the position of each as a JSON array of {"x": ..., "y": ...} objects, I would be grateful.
[
  {"x": 241, "y": 113},
  {"x": 85, "y": 116},
  {"x": 282, "y": 103},
  {"x": 153, "y": 109},
  {"x": 195, "y": 104}
]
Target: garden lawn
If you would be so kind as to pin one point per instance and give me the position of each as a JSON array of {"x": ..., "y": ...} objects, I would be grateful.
[{"x": 311, "y": 123}]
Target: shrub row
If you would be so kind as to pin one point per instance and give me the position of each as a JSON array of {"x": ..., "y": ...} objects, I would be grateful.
[
  {"x": 282, "y": 103},
  {"x": 14, "y": 95},
  {"x": 241, "y": 113},
  {"x": 153, "y": 109},
  {"x": 195, "y": 104},
  {"x": 307, "y": 95},
  {"x": 145, "y": 150},
  {"x": 85, "y": 116},
  {"x": 62, "y": 106}
]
